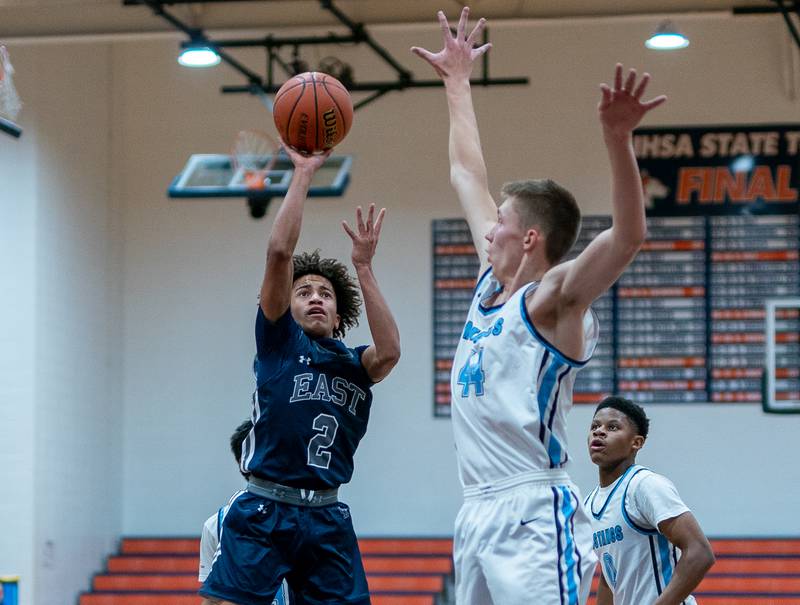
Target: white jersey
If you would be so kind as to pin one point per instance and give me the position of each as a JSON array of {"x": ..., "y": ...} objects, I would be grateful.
[
  {"x": 637, "y": 561},
  {"x": 511, "y": 389}
]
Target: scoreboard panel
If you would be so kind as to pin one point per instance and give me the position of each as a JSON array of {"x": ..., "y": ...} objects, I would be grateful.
[{"x": 683, "y": 324}]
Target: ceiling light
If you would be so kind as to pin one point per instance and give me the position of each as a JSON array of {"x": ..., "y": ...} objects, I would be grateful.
[
  {"x": 667, "y": 37},
  {"x": 198, "y": 56}
]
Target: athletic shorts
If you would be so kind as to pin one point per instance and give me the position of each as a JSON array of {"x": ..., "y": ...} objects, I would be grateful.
[
  {"x": 264, "y": 541},
  {"x": 526, "y": 539}
]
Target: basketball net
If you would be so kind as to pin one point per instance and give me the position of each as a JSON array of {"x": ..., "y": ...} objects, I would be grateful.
[
  {"x": 10, "y": 103},
  {"x": 255, "y": 153}
]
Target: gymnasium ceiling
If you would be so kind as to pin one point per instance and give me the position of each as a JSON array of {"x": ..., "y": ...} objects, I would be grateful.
[{"x": 24, "y": 18}]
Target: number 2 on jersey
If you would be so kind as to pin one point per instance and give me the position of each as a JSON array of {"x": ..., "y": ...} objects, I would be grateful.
[{"x": 318, "y": 456}]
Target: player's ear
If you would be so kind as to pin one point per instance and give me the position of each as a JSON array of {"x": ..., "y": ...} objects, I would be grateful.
[
  {"x": 638, "y": 443},
  {"x": 530, "y": 239},
  {"x": 337, "y": 320}
]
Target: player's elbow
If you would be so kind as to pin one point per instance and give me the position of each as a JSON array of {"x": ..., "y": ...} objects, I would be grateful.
[
  {"x": 629, "y": 244},
  {"x": 390, "y": 358},
  {"x": 702, "y": 556},
  {"x": 384, "y": 363},
  {"x": 707, "y": 557},
  {"x": 635, "y": 238}
]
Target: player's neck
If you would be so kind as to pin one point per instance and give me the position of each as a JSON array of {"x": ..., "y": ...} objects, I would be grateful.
[
  {"x": 610, "y": 474},
  {"x": 528, "y": 271}
]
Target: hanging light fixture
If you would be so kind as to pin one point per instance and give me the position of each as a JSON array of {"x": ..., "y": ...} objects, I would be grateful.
[
  {"x": 667, "y": 37},
  {"x": 198, "y": 55}
]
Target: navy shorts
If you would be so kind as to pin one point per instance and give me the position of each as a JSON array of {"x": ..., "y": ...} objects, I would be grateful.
[{"x": 264, "y": 541}]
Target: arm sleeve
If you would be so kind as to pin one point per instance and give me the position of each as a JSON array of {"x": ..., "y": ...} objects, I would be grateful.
[
  {"x": 208, "y": 546},
  {"x": 654, "y": 500},
  {"x": 360, "y": 353}
]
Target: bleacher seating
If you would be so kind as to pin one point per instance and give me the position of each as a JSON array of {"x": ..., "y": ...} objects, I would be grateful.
[
  {"x": 163, "y": 571},
  {"x": 403, "y": 571}
]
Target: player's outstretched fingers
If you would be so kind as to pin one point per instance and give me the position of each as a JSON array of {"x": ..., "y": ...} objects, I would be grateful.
[
  {"x": 446, "y": 33},
  {"x": 618, "y": 77},
  {"x": 629, "y": 81},
  {"x": 653, "y": 103},
  {"x": 639, "y": 91},
  {"x": 605, "y": 100},
  {"x": 461, "y": 32},
  {"x": 476, "y": 31},
  {"x": 378, "y": 223}
]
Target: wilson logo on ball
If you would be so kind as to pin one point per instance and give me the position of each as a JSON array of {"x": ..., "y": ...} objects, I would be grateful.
[{"x": 331, "y": 131}]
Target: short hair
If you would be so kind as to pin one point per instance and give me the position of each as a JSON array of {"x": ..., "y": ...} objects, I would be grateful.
[
  {"x": 545, "y": 203},
  {"x": 633, "y": 411},
  {"x": 237, "y": 439},
  {"x": 348, "y": 296}
]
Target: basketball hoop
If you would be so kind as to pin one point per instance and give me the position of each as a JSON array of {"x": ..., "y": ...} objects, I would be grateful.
[{"x": 254, "y": 155}]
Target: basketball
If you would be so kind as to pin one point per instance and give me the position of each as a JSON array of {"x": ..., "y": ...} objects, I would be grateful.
[{"x": 313, "y": 112}]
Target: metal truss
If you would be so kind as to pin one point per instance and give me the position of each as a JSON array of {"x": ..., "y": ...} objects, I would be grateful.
[
  {"x": 357, "y": 34},
  {"x": 785, "y": 7}
]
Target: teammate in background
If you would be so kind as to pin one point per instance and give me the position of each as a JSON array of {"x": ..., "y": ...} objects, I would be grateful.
[
  {"x": 212, "y": 528},
  {"x": 522, "y": 535},
  {"x": 310, "y": 410},
  {"x": 651, "y": 548}
]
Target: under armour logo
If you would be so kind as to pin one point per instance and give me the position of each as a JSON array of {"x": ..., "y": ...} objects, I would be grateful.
[{"x": 304, "y": 359}]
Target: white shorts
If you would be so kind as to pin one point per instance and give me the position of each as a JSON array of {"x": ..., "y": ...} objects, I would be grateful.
[{"x": 526, "y": 539}]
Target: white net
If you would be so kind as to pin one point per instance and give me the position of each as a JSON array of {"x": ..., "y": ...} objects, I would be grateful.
[
  {"x": 254, "y": 154},
  {"x": 10, "y": 104}
]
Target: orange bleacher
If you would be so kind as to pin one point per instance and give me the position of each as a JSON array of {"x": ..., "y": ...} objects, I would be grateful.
[
  {"x": 163, "y": 571},
  {"x": 404, "y": 571}
]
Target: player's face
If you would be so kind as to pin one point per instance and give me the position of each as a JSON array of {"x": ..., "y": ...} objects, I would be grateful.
[
  {"x": 505, "y": 240},
  {"x": 612, "y": 438},
  {"x": 314, "y": 305}
]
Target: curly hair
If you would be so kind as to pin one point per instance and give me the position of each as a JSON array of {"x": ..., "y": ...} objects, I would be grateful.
[
  {"x": 634, "y": 412},
  {"x": 348, "y": 295}
]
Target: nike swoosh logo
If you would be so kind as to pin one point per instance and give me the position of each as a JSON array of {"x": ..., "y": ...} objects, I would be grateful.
[{"x": 523, "y": 522}]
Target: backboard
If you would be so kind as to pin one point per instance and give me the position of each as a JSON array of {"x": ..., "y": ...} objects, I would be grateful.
[
  {"x": 212, "y": 175},
  {"x": 10, "y": 127},
  {"x": 10, "y": 103}
]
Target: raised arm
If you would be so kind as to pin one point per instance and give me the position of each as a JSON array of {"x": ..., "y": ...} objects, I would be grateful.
[
  {"x": 605, "y": 258},
  {"x": 277, "y": 285},
  {"x": 384, "y": 352},
  {"x": 696, "y": 557},
  {"x": 467, "y": 169}
]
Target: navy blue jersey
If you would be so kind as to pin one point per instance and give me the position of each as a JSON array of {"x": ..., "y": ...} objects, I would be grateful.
[{"x": 310, "y": 408}]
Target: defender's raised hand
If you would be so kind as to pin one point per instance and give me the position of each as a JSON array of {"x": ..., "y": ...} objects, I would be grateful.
[
  {"x": 455, "y": 60},
  {"x": 621, "y": 108},
  {"x": 366, "y": 240}
]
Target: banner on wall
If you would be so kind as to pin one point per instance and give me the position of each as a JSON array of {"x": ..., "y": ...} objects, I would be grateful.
[{"x": 720, "y": 170}]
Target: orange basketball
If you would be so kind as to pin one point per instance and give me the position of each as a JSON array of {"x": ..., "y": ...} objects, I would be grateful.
[{"x": 313, "y": 112}]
